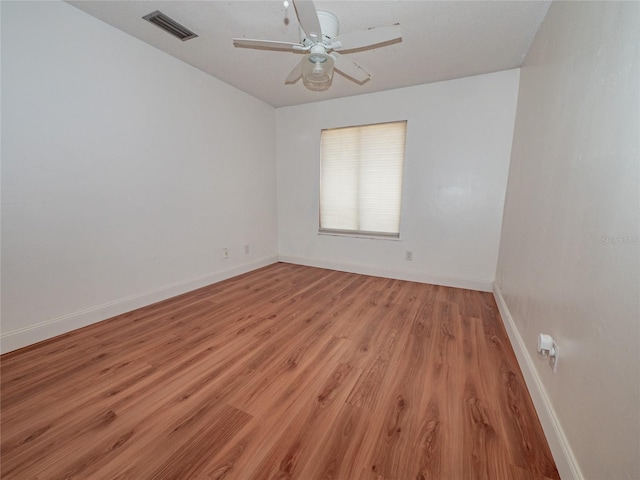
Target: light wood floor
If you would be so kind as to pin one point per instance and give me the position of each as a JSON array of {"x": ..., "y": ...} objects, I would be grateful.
[{"x": 285, "y": 372}]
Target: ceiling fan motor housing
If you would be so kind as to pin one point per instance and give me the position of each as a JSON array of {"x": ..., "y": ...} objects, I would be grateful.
[{"x": 328, "y": 24}]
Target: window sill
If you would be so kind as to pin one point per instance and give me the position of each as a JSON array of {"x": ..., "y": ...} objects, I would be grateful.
[{"x": 366, "y": 235}]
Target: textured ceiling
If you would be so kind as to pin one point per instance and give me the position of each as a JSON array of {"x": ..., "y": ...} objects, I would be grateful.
[{"x": 441, "y": 40}]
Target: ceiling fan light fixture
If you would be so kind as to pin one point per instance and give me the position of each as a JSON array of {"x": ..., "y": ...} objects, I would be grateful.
[{"x": 317, "y": 70}]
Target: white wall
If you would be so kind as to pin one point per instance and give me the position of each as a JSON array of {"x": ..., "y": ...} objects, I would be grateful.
[
  {"x": 569, "y": 259},
  {"x": 124, "y": 174},
  {"x": 456, "y": 163}
]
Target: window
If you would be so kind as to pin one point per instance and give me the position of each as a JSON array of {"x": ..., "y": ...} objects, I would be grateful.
[{"x": 361, "y": 179}]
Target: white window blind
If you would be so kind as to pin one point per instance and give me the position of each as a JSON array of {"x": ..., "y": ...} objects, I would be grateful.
[{"x": 361, "y": 179}]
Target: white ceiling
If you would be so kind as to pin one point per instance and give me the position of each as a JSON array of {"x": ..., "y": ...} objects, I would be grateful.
[{"x": 441, "y": 40}]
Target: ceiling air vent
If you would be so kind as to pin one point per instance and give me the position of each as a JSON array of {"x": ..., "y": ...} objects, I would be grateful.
[{"x": 168, "y": 24}]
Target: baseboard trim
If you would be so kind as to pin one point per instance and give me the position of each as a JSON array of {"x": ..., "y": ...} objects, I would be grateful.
[
  {"x": 561, "y": 450},
  {"x": 457, "y": 282},
  {"x": 57, "y": 326}
]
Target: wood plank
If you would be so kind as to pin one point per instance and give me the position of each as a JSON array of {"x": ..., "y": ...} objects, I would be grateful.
[
  {"x": 295, "y": 445},
  {"x": 334, "y": 456}
]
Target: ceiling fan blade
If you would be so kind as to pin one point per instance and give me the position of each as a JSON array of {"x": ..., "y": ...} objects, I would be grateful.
[
  {"x": 350, "y": 69},
  {"x": 295, "y": 74},
  {"x": 269, "y": 44},
  {"x": 308, "y": 18},
  {"x": 366, "y": 38}
]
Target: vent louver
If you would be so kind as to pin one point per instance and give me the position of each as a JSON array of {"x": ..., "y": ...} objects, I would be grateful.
[{"x": 169, "y": 25}]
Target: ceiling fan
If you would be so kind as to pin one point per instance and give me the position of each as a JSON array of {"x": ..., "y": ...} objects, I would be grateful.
[{"x": 320, "y": 43}]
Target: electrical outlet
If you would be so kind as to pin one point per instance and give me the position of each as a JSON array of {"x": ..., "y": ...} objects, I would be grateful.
[
  {"x": 247, "y": 250},
  {"x": 408, "y": 255},
  {"x": 225, "y": 253},
  {"x": 548, "y": 348}
]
